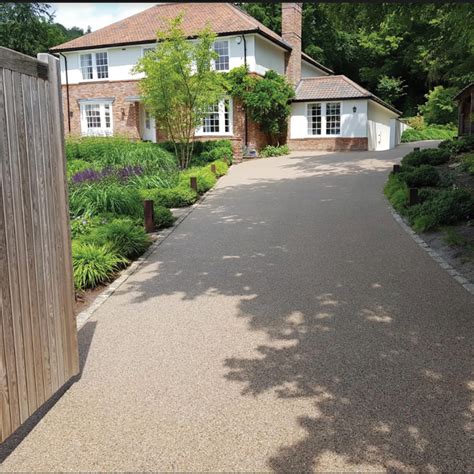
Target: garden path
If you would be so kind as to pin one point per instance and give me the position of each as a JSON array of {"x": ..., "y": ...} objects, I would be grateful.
[{"x": 288, "y": 324}]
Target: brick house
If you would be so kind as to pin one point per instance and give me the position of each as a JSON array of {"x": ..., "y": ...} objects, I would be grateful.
[{"x": 330, "y": 112}]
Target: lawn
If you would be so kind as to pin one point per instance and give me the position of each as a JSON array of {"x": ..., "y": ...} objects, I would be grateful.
[{"x": 108, "y": 180}]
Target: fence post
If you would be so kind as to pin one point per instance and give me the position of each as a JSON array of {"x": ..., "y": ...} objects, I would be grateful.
[
  {"x": 396, "y": 169},
  {"x": 193, "y": 183},
  {"x": 413, "y": 197},
  {"x": 213, "y": 168},
  {"x": 149, "y": 218}
]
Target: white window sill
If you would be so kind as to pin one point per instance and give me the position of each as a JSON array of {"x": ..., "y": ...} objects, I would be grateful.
[{"x": 215, "y": 134}]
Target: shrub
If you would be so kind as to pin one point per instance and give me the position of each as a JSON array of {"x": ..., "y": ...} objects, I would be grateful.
[
  {"x": 163, "y": 217},
  {"x": 468, "y": 163},
  {"x": 274, "y": 151},
  {"x": 93, "y": 265},
  {"x": 99, "y": 199},
  {"x": 428, "y": 156},
  {"x": 443, "y": 208},
  {"x": 461, "y": 145},
  {"x": 396, "y": 192},
  {"x": 424, "y": 175},
  {"x": 417, "y": 122},
  {"x": 123, "y": 235},
  {"x": 440, "y": 107},
  {"x": 83, "y": 224},
  {"x": 203, "y": 151},
  {"x": 429, "y": 133},
  {"x": 205, "y": 178},
  {"x": 221, "y": 168},
  {"x": 180, "y": 196},
  {"x": 76, "y": 166}
]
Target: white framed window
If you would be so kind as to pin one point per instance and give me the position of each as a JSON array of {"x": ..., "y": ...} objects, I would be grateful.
[
  {"x": 221, "y": 47},
  {"x": 94, "y": 65},
  {"x": 218, "y": 120},
  {"x": 96, "y": 118},
  {"x": 333, "y": 118},
  {"x": 314, "y": 119},
  {"x": 147, "y": 120}
]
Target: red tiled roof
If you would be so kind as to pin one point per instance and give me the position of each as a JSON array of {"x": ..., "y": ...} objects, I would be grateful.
[
  {"x": 223, "y": 18},
  {"x": 332, "y": 88}
]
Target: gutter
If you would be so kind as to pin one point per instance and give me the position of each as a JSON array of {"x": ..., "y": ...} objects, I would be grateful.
[
  {"x": 67, "y": 95},
  {"x": 282, "y": 44}
]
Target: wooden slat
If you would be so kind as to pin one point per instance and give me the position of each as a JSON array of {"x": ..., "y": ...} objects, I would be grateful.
[
  {"x": 38, "y": 352},
  {"x": 15, "y": 61}
]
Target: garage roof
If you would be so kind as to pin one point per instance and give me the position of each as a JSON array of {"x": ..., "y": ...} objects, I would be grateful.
[{"x": 334, "y": 88}]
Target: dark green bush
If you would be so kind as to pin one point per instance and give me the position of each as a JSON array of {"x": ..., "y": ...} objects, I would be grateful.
[
  {"x": 442, "y": 208},
  {"x": 428, "y": 156},
  {"x": 180, "y": 196},
  {"x": 221, "y": 168},
  {"x": 93, "y": 265},
  {"x": 274, "y": 151},
  {"x": 202, "y": 151},
  {"x": 163, "y": 217},
  {"x": 423, "y": 175},
  {"x": 99, "y": 199},
  {"x": 458, "y": 146},
  {"x": 123, "y": 235},
  {"x": 468, "y": 163},
  {"x": 396, "y": 192}
]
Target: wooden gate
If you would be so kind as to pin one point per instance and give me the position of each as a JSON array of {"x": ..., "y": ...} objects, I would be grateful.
[{"x": 38, "y": 337}]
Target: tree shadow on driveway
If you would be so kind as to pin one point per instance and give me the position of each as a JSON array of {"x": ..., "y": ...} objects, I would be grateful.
[{"x": 358, "y": 319}]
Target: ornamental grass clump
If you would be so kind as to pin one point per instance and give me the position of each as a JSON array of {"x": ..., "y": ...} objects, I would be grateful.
[{"x": 94, "y": 264}]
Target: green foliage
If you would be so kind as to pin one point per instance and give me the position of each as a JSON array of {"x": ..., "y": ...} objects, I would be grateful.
[
  {"x": 180, "y": 196},
  {"x": 270, "y": 150},
  {"x": 205, "y": 179},
  {"x": 417, "y": 122},
  {"x": 122, "y": 235},
  {"x": 99, "y": 199},
  {"x": 423, "y": 175},
  {"x": 83, "y": 224},
  {"x": 221, "y": 167},
  {"x": 93, "y": 265},
  {"x": 206, "y": 151},
  {"x": 396, "y": 192},
  {"x": 440, "y": 107},
  {"x": 433, "y": 132},
  {"x": 428, "y": 156},
  {"x": 454, "y": 238},
  {"x": 267, "y": 99},
  {"x": 76, "y": 166},
  {"x": 444, "y": 208},
  {"x": 391, "y": 89},
  {"x": 426, "y": 44},
  {"x": 29, "y": 28},
  {"x": 460, "y": 145},
  {"x": 468, "y": 163},
  {"x": 180, "y": 85},
  {"x": 163, "y": 217}
]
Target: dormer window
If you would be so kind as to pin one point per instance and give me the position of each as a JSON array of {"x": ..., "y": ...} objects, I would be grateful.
[
  {"x": 94, "y": 65},
  {"x": 221, "y": 47}
]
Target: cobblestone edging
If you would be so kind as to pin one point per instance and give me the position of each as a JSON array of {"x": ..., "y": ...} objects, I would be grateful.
[
  {"x": 433, "y": 254},
  {"x": 162, "y": 235}
]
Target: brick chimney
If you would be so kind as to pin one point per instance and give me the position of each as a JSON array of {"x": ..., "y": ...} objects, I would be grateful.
[{"x": 291, "y": 20}]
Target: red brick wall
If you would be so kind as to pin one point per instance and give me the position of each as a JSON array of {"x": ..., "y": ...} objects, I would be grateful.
[
  {"x": 329, "y": 144},
  {"x": 125, "y": 114},
  {"x": 291, "y": 27}
]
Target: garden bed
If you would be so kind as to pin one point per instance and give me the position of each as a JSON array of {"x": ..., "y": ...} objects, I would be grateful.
[
  {"x": 109, "y": 178},
  {"x": 444, "y": 212}
]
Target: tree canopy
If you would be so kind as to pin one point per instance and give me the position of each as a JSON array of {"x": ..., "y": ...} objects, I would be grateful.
[
  {"x": 398, "y": 51},
  {"x": 30, "y": 28}
]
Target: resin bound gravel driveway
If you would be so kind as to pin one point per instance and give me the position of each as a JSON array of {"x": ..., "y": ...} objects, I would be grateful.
[{"x": 288, "y": 324}]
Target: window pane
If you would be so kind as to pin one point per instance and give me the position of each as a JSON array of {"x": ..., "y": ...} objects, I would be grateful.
[
  {"x": 102, "y": 63},
  {"x": 227, "y": 116},
  {"x": 86, "y": 66},
  {"x": 333, "y": 118},
  {"x": 93, "y": 115},
  {"x": 314, "y": 119},
  {"x": 107, "y": 115},
  {"x": 211, "y": 121},
  {"x": 147, "y": 120},
  {"x": 222, "y": 49}
]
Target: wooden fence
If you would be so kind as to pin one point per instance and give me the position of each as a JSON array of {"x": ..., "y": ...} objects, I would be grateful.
[{"x": 38, "y": 338}]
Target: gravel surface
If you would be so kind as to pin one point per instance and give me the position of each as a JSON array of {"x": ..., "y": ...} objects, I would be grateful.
[{"x": 288, "y": 324}]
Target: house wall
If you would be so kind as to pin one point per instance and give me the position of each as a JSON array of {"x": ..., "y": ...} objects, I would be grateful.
[
  {"x": 308, "y": 70},
  {"x": 125, "y": 115},
  {"x": 267, "y": 56},
  {"x": 381, "y": 127}
]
